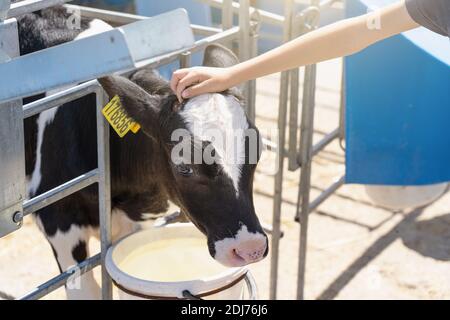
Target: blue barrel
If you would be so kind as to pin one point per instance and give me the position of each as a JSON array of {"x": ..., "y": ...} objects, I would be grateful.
[{"x": 398, "y": 108}]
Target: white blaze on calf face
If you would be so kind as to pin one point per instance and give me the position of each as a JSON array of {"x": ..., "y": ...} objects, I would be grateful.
[{"x": 210, "y": 115}]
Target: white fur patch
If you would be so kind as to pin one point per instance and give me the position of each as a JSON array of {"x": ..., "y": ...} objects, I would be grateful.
[
  {"x": 224, "y": 246},
  {"x": 95, "y": 26},
  {"x": 78, "y": 287},
  {"x": 209, "y": 114},
  {"x": 64, "y": 242},
  {"x": 44, "y": 119}
]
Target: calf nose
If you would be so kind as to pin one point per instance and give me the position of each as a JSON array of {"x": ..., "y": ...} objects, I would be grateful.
[
  {"x": 252, "y": 250},
  {"x": 244, "y": 248}
]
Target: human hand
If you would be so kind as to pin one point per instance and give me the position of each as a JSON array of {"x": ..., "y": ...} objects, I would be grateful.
[{"x": 191, "y": 82}]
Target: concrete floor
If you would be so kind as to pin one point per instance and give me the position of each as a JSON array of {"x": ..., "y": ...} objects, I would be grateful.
[{"x": 356, "y": 250}]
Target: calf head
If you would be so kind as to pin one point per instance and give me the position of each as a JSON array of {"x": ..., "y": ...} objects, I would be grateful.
[{"x": 210, "y": 151}]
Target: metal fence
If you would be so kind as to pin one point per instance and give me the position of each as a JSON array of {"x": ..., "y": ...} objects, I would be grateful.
[{"x": 13, "y": 206}]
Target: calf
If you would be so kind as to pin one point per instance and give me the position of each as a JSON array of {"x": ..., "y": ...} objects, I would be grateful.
[{"x": 148, "y": 169}]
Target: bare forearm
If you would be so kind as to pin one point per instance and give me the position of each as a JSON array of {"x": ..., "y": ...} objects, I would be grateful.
[{"x": 336, "y": 40}]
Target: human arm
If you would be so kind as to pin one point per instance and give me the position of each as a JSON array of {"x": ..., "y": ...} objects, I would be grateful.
[{"x": 339, "y": 39}]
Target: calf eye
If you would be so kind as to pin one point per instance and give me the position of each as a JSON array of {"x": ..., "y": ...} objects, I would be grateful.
[{"x": 185, "y": 170}]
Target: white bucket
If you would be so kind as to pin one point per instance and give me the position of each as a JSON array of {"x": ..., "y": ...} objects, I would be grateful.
[
  {"x": 403, "y": 197},
  {"x": 228, "y": 285}
]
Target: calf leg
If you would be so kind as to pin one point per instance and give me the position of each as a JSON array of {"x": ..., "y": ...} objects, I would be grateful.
[{"x": 70, "y": 248}]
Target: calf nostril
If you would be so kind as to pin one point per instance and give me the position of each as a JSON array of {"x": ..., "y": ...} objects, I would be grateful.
[
  {"x": 252, "y": 255},
  {"x": 238, "y": 254}
]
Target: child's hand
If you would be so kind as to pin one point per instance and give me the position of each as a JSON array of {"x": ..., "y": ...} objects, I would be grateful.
[{"x": 188, "y": 83}]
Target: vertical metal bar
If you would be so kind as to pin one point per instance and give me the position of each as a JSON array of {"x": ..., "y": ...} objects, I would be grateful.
[
  {"x": 293, "y": 106},
  {"x": 251, "y": 102},
  {"x": 228, "y": 20},
  {"x": 251, "y": 97},
  {"x": 342, "y": 109},
  {"x": 5, "y": 5},
  {"x": 245, "y": 42},
  {"x": 244, "y": 28},
  {"x": 185, "y": 59},
  {"x": 306, "y": 146},
  {"x": 104, "y": 191},
  {"x": 277, "y": 200},
  {"x": 227, "y": 14},
  {"x": 12, "y": 151},
  {"x": 293, "y": 120},
  {"x": 306, "y": 149}
]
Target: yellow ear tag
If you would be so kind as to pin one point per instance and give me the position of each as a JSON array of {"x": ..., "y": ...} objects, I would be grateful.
[{"x": 118, "y": 119}]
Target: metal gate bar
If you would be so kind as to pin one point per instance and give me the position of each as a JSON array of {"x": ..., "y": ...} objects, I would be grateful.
[
  {"x": 277, "y": 198},
  {"x": 47, "y": 198},
  {"x": 119, "y": 18},
  {"x": 60, "y": 280},
  {"x": 12, "y": 159},
  {"x": 27, "y": 6}
]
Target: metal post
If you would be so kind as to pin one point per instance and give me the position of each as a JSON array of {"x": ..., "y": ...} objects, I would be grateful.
[
  {"x": 244, "y": 28},
  {"x": 293, "y": 106},
  {"x": 5, "y": 6},
  {"x": 342, "y": 110},
  {"x": 12, "y": 151},
  {"x": 306, "y": 135},
  {"x": 245, "y": 42},
  {"x": 306, "y": 150},
  {"x": 277, "y": 200},
  {"x": 255, "y": 19},
  {"x": 342, "y": 107},
  {"x": 185, "y": 59},
  {"x": 227, "y": 14},
  {"x": 104, "y": 191}
]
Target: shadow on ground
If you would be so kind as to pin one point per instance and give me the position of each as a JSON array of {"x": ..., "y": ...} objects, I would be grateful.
[{"x": 430, "y": 238}]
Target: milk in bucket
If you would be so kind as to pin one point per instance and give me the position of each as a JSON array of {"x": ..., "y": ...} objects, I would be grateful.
[
  {"x": 165, "y": 262},
  {"x": 180, "y": 254}
]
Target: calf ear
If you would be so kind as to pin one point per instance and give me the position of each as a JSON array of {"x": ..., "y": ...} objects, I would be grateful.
[
  {"x": 219, "y": 57},
  {"x": 138, "y": 104}
]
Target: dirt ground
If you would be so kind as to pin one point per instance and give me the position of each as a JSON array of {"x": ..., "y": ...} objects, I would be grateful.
[{"x": 356, "y": 250}]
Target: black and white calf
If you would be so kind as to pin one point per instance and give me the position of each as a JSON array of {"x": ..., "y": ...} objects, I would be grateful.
[{"x": 147, "y": 169}]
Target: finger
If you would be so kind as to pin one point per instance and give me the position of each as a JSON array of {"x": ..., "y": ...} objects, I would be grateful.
[
  {"x": 187, "y": 81},
  {"x": 176, "y": 77},
  {"x": 196, "y": 90}
]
